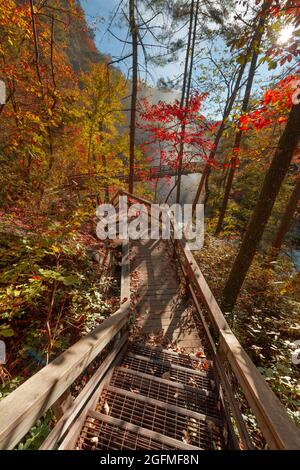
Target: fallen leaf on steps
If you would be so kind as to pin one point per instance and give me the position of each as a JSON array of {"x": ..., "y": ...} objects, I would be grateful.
[
  {"x": 166, "y": 375},
  {"x": 106, "y": 408}
]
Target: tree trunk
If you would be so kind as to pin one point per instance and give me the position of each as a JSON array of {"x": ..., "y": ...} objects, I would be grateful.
[
  {"x": 238, "y": 138},
  {"x": 286, "y": 221},
  {"x": 134, "y": 39},
  {"x": 185, "y": 93},
  {"x": 255, "y": 43},
  {"x": 260, "y": 216},
  {"x": 237, "y": 141},
  {"x": 226, "y": 113},
  {"x": 106, "y": 189}
]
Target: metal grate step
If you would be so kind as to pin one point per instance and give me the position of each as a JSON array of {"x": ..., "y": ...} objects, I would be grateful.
[
  {"x": 184, "y": 360},
  {"x": 165, "y": 370},
  {"x": 183, "y": 396},
  {"x": 180, "y": 424},
  {"x": 101, "y": 432}
]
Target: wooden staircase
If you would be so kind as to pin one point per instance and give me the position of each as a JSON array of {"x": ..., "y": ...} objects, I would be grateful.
[
  {"x": 156, "y": 398},
  {"x": 149, "y": 390}
]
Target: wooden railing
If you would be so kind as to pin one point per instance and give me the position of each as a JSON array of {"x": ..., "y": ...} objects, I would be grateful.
[
  {"x": 20, "y": 410},
  {"x": 278, "y": 429},
  {"x": 23, "y": 407},
  {"x": 156, "y": 171}
]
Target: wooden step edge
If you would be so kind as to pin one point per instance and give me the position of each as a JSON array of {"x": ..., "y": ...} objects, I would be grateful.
[
  {"x": 167, "y": 406},
  {"x": 155, "y": 284},
  {"x": 150, "y": 289},
  {"x": 167, "y": 351},
  {"x": 170, "y": 365},
  {"x": 179, "y": 385},
  {"x": 158, "y": 296},
  {"x": 126, "y": 426},
  {"x": 71, "y": 437},
  {"x": 85, "y": 397}
]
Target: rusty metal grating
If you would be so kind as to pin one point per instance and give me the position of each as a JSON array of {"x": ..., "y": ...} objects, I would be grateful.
[
  {"x": 183, "y": 360},
  {"x": 195, "y": 431},
  {"x": 184, "y": 376},
  {"x": 99, "y": 435},
  {"x": 184, "y": 397}
]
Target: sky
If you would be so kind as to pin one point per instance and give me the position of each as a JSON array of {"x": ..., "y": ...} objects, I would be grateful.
[{"x": 98, "y": 15}]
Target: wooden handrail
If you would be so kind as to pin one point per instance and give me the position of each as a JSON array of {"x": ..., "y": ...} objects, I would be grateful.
[
  {"x": 81, "y": 402},
  {"x": 20, "y": 410},
  {"x": 277, "y": 427},
  {"x": 125, "y": 274}
]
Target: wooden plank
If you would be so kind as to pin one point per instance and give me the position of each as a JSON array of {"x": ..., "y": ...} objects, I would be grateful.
[
  {"x": 66, "y": 420},
  {"x": 171, "y": 383},
  {"x": 124, "y": 425},
  {"x": 278, "y": 429},
  {"x": 158, "y": 291},
  {"x": 161, "y": 323},
  {"x": 234, "y": 406},
  {"x": 156, "y": 283},
  {"x": 202, "y": 288},
  {"x": 125, "y": 273},
  {"x": 63, "y": 404},
  {"x": 149, "y": 293},
  {"x": 137, "y": 198},
  {"x": 20, "y": 410},
  {"x": 171, "y": 353},
  {"x": 114, "y": 198},
  {"x": 160, "y": 309},
  {"x": 163, "y": 315},
  {"x": 72, "y": 436},
  {"x": 180, "y": 335},
  {"x": 70, "y": 440},
  {"x": 170, "y": 365},
  {"x": 157, "y": 302}
]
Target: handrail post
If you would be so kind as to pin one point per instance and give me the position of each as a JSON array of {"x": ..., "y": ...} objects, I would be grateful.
[{"x": 64, "y": 402}]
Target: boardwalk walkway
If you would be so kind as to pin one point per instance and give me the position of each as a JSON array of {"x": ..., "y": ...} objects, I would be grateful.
[
  {"x": 163, "y": 308},
  {"x": 167, "y": 370}
]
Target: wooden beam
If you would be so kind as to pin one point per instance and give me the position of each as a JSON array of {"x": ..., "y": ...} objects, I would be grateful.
[
  {"x": 22, "y": 408},
  {"x": 166, "y": 406},
  {"x": 66, "y": 420},
  {"x": 125, "y": 274},
  {"x": 63, "y": 404},
  {"x": 170, "y": 383},
  {"x": 72, "y": 436},
  {"x": 223, "y": 380},
  {"x": 125, "y": 426}
]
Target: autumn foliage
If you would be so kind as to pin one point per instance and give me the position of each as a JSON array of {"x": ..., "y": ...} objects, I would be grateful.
[
  {"x": 168, "y": 125},
  {"x": 275, "y": 105}
]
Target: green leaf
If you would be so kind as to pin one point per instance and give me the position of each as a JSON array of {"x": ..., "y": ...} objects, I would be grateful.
[
  {"x": 240, "y": 59},
  {"x": 6, "y": 331},
  {"x": 70, "y": 280}
]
